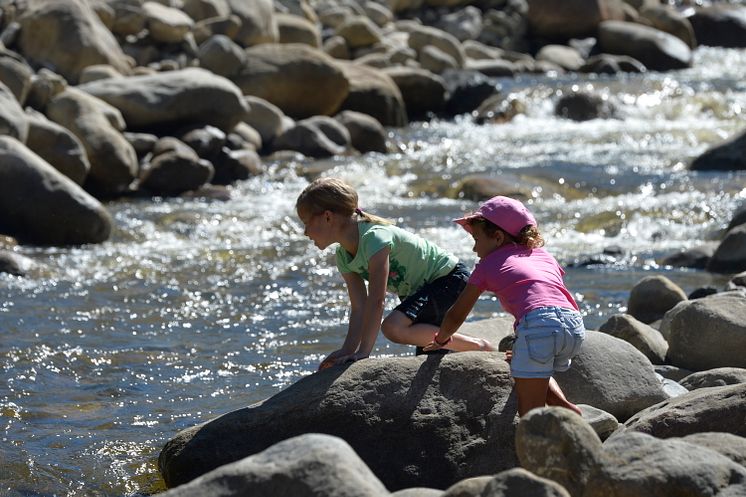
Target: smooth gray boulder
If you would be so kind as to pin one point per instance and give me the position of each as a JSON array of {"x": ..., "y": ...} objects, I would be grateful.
[
  {"x": 98, "y": 126},
  {"x": 657, "y": 50},
  {"x": 366, "y": 133},
  {"x": 717, "y": 377},
  {"x": 15, "y": 264},
  {"x": 58, "y": 146},
  {"x": 470, "y": 487},
  {"x": 720, "y": 25},
  {"x": 258, "y": 23},
  {"x": 74, "y": 38},
  {"x": 16, "y": 75},
  {"x": 570, "y": 18},
  {"x": 12, "y": 119},
  {"x": 311, "y": 465},
  {"x": 418, "y": 492},
  {"x": 638, "y": 465},
  {"x": 705, "y": 409},
  {"x": 41, "y": 206},
  {"x": 301, "y": 80},
  {"x": 731, "y": 446},
  {"x": 707, "y": 333},
  {"x": 652, "y": 297},
  {"x": 518, "y": 482},
  {"x": 421, "y": 90},
  {"x": 173, "y": 98},
  {"x": 449, "y": 417},
  {"x": 307, "y": 139},
  {"x": 556, "y": 443},
  {"x": 612, "y": 375},
  {"x": 374, "y": 93},
  {"x": 602, "y": 422},
  {"x": 645, "y": 338},
  {"x": 730, "y": 255},
  {"x": 729, "y": 155}
]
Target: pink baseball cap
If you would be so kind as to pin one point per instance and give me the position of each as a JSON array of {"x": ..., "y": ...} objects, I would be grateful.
[{"x": 507, "y": 213}]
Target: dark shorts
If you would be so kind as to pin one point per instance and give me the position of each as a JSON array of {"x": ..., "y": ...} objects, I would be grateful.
[{"x": 429, "y": 304}]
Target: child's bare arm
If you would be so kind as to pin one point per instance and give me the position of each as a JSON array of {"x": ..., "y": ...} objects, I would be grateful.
[
  {"x": 455, "y": 316},
  {"x": 378, "y": 270},
  {"x": 358, "y": 295}
]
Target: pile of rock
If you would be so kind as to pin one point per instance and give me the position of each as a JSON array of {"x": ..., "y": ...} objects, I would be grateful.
[
  {"x": 447, "y": 426},
  {"x": 168, "y": 96}
]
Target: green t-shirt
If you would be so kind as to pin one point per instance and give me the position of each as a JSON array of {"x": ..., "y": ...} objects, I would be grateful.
[{"x": 413, "y": 261}]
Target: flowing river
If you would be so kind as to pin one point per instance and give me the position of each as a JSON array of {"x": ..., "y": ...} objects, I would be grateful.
[{"x": 197, "y": 307}]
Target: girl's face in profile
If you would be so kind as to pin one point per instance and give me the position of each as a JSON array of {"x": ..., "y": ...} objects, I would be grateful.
[
  {"x": 316, "y": 227},
  {"x": 484, "y": 244}
]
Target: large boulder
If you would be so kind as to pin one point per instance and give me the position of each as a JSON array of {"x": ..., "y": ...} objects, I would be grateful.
[
  {"x": 657, "y": 50},
  {"x": 668, "y": 19},
  {"x": 58, "y": 146},
  {"x": 300, "y": 80},
  {"x": 258, "y": 23},
  {"x": 638, "y": 465},
  {"x": 729, "y": 155},
  {"x": 12, "y": 119},
  {"x": 421, "y": 90},
  {"x": 652, "y": 297},
  {"x": 610, "y": 374},
  {"x": 296, "y": 29},
  {"x": 444, "y": 426},
  {"x": 374, "y": 93},
  {"x": 175, "y": 170},
  {"x": 366, "y": 133},
  {"x": 98, "y": 126},
  {"x": 720, "y": 25},
  {"x": 305, "y": 466},
  {"x": 707, "y": 333},
  {"x": 41, "y": 206},
  {"x": 556, "y": 443},
  {"x": 73, "y": 38},
  {"x": 570, "y": 18},
  {"x": 716, "y": 377},
  {"x": 645, "y": 338},
  {"x": 16, "y": 75},
  {"x": 166, "y": 24},
  {"x": 730, "y": 255},
  {"x": 731, "y": 446},
  {"x": 421, "y": 37},
  {"x": 705, "y": 409},
  {"x": 173, "y": 99}
]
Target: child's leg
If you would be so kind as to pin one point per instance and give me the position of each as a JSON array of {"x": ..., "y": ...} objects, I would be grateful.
[
  {"x": 531, "y": 393},
  {"x": 398, "y": 328},
  {"x": 555, "y": 397}
]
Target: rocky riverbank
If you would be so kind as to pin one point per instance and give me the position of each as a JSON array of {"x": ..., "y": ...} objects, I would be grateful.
[
  {"x": 663, "y": 413},
  {"x": 164, "y": 98}
]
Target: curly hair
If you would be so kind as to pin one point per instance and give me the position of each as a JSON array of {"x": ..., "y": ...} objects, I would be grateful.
[{"x": 529, "y": 235}]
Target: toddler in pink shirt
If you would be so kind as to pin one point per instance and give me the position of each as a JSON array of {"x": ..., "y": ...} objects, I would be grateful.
[{"x": 528, "y": 282}]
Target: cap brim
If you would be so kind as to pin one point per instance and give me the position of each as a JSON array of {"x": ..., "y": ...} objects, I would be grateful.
[{"x": 464, "y": 222}]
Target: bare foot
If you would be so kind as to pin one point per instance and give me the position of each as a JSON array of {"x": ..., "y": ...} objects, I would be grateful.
[{"x": 485, "y": 345}]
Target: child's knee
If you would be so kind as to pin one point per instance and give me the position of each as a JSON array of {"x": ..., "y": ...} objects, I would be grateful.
[{"x": 392, "y": 331}]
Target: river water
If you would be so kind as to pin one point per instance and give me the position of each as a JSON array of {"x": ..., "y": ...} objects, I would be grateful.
[{"x": 198, "y": 307}]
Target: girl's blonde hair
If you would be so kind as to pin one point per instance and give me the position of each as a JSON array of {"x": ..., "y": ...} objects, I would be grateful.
[
  {"x": 334, "y": 195},
  {"x": 529, "y": 235}
]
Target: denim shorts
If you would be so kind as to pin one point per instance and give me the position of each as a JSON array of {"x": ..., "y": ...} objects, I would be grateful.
[{"x": 546, "y": 341}]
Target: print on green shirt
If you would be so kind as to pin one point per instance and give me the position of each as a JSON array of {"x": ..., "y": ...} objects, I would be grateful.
[{"x": 413, "y": 261}]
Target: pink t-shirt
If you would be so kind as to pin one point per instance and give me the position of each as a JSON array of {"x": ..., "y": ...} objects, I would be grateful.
[{"x": 523, "y": 279}]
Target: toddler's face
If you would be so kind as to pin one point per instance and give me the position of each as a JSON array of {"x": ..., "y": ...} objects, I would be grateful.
[{"x": 484, "y": 243}]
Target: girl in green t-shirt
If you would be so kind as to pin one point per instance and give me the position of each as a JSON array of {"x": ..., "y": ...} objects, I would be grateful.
[{"x": 426, "y": 278}]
